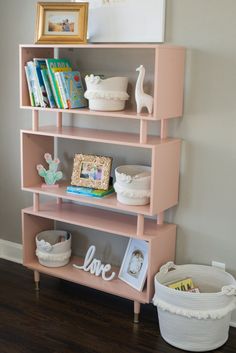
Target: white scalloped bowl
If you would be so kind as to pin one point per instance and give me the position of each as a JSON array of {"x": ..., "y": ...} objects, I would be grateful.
[
  {"x": 52, "y": 252},
  {"x": 106, "y": 95},
  {"x": 133, "y": 183}
]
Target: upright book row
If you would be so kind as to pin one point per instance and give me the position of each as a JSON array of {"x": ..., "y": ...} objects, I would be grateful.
[{"x": 52, "y": 83}]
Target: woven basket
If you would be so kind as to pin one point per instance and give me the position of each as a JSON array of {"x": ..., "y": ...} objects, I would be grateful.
[
  {"x": 195, "y": 321},
  {"x": 52, "y": 252}
]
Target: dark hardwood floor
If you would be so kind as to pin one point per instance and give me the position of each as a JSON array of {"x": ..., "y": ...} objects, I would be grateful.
[{"x": 68, "y": 318}]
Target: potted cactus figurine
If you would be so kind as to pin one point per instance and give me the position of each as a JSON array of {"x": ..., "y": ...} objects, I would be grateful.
[{"x": 51, "y": 176}]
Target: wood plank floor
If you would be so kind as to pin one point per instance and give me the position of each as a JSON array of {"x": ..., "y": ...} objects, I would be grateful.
[{"x": 68, "y": 318}]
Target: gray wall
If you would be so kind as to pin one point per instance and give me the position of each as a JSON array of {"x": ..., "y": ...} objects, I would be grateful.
[{"x": 206, "y": 211}]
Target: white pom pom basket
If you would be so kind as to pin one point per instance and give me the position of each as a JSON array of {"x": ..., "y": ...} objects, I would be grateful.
[
  {"x": 50, "y": 251},
  {"x": 133, "y": 184},
  {"x": 196, "y": 322}
]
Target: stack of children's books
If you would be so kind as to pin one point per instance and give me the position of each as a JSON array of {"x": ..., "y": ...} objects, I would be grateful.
[
  {"x": 52, "y": 83},
  {"x": 84, "y": 191}
]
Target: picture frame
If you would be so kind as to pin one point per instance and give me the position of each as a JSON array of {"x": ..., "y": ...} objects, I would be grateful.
[
  {"x": 133, "y": 270},
  {"x": 61, "y": 23},
  {"x": 118, "y": 28},
  {"x": 91, "y": 171}
]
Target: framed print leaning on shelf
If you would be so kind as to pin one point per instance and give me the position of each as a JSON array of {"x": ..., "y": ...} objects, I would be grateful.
[
  {"x": 91, "y": 171},
  {"x": 61, "y": 23},
  {"x": 126, "y": 21},
  {"x": 134, "y": 266}
]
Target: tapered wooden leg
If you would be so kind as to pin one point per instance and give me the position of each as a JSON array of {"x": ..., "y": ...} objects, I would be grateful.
[
  {"x": 137, "y": 306},
  {"x": 36, "y": 279}
]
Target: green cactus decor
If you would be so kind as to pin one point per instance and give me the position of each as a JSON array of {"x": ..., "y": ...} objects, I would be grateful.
[{"x": 51, "y": 175}]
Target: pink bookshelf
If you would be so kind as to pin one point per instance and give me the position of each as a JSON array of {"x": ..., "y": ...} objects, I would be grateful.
[{"x": 106, "y": 215}]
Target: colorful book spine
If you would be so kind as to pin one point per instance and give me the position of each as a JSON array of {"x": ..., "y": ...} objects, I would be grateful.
[
  {"x": 32, "y": 77},
  {"x": 61, "y": 89},
  {"x": 39, "y": 65},
  {"x": 47, "y": 85},
  {"x": 57, "y": 65},
  {"x": 30, "y": 89},
  {"x": 73, "y": 83},
  {"x": 80, "y": 190}
]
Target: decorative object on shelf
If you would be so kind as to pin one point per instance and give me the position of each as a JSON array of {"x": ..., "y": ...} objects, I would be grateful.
[
  {"x": 53, "y": 248},
  {"x": 106, "y": 94},
  {"x": 90, "y": 192},
  {"x": 134, "y": 266},
  {"x": 133, "y": 184},
  {"x": 51, "y": 176},
  {"x": 91, "y": 171},
  {"x": 204, "y": 315},
  {"x": 125, "y": 28},
  {"x": 142, "y": 99},
  {"x": 94, "y": 266},
  {"x": 61, "y": 23}
]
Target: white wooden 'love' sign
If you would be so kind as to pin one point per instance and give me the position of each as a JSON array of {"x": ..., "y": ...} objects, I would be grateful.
[{"x": 95, "y": 266}]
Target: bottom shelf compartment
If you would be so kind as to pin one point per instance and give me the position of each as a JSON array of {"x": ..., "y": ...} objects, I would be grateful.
[
  {"x": 69, "y": 273},
  {"x": 161, "y": 248}
]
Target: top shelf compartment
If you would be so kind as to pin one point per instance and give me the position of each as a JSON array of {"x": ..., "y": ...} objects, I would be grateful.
[{"x": 164, "y": 73}]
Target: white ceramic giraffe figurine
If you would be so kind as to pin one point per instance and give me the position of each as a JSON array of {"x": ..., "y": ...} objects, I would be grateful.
[{"x": 142, "y": 99}]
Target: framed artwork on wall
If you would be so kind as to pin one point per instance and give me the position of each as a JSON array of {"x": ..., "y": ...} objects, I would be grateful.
[
  {"x": 126, "y": 21},
  {"x": 134, "y": 266},
  {"x": 61, "y": 22}
]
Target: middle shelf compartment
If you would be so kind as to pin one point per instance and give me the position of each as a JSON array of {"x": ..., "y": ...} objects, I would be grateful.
[{"x": 164, "y": 155}]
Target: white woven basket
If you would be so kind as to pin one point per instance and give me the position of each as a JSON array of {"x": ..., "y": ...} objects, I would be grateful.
[
  {"x": 52, "y": 252},
  {"x": 196, "y": 322},
  {"x": 133, "y": 184}
]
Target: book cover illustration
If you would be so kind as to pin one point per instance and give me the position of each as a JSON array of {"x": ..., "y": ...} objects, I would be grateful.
[
  {"x": 48, "y": 88},
  {"x": 40, "y": 64},
  {"x": 57, "y": 65},
  {"x": 74, "y": 90},
  {"x": 34, "y": 84},
  {"x": 185, "y": 284},
  {"x": 98, "y": 193},
  {"x": 61, "y": 88},
  {"x": 30, "y": 86}
]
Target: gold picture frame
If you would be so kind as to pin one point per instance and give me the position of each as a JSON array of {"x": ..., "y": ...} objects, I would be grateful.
[
  {"x": 91, "y": 171},
  {"x": 61, "y": 23}
]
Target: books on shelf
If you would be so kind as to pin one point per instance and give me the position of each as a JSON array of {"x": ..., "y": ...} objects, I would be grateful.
[
  {"x": 40, "y": 64},
  {"x": 53, "y": 66},
  {"x": 47, "y": 85},
  {"x": 80, "y": 190},
  {"x": 52, "y": 83},
  {"x": 71, "y": 89}
]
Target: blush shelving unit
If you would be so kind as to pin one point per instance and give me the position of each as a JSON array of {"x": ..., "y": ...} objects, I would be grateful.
[{"x": 107, "y": 214}]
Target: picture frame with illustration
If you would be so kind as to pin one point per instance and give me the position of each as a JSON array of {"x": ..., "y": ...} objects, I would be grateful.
[
  {"x": 133, "y": 270},
  {"x": 61, "y": 23},
  {"x": 91, "y": 171}
]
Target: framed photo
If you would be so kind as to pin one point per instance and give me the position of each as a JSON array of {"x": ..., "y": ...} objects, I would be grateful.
[
  {"x": 126, "y": 21},
  {"x": 134, "y": 266},
  {"x": 91, "y": 171},
  {"x": 61, "y": 23}
]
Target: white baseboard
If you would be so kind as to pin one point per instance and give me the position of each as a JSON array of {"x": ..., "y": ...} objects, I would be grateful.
[
  {"x": 14, "y": 252},
  {"x": 233, "y": 324},
  {"x": 11, "y": 251}
]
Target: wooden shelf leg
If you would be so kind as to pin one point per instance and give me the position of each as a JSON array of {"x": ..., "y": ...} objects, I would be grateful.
[
  {"x": 137, "y": 307},
  {"x": 160, "y": 218},
  {"x": 140, "y": 225},
  {"x": 35, "y": 120},
  {"x": 59, "y": 120},
  {"x": 36, "y": 279},
  {"x": 164, "y": 128},
  {"x": 36, "y": 202},
  {"x": 143, "y": 131}
]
